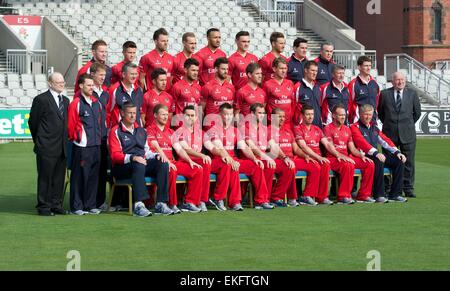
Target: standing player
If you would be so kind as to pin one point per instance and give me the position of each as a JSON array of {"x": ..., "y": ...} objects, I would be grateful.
[
  {"x": 345, "y": 150},
  {"x": 99, "y": 54},
  {"x": 296, "y": 65},
  {"x": 208, "y": 55},
  {"x": 222, "y": 140},
  {"x": 363, "y": 90},
  {"x": 240, "y": 60},
  {"x": 250, "y": 93},
  {"x": 325, "y": 63},
  {"x": 309, "y": 137},
  {"x": 190, "y": 138},
  {"x": 157, "y": 95},
  {"x": 334, "y": 93},
  {"x": 308, "y": 93},
  {"x": 187, "y": 91},
  {"x": 189, "y": 46},
  {"x": 100, "y": 92},
  {"x": 157, "y": 58},
  {"x": 160, "y": 139},
  {"x": 218, "y": 90},
  {"x": 84, "y": 129},
  {"x": 125, "y": 91},
  {"x": 278, "y": 42},
  {"x": 280, "y": 91},
  {"x": 129, "y": 49}
]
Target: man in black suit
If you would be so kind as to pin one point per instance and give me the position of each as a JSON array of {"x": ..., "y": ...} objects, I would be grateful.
[
  {"x": 399, "y": 109},
  {"x": 48, "y": 126}
]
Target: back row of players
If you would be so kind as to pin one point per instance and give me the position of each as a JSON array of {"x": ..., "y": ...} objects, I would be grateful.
[{"x": 302, "y": 96}]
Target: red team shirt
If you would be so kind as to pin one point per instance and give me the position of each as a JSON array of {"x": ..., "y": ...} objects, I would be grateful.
[
  {"x": 229, "y": 137},
  {"x": 216, "y": 94},
  {"x": 178, "y": 67},
  {"x": 151, "y": 99},
  {"x": 259, "y": 136},
  {"x": 311, "y": 136},
  {"x": 206, "y": 58},
  {"x": 246, "y": 96},
  {"x": 193, "y": 139},
  {"x": 280, "y": 96},
  {"x": 152, "y": 61},
  {"x": 163, "y": 137},
  {"x": 185, "y": 94},
  {"x": 237, "y": 66},
  {"x": 339, "y": 136},
  {"x": 284, "y": 138},
  {"x": 266, "y": 65}
]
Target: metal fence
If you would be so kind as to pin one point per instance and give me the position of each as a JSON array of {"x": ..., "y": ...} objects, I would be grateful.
[
  {"x": 26, "y": 62},
  {"x": 349, "y": 58}
]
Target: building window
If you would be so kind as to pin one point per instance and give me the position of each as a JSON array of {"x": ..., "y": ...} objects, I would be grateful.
[{"x": 437, "y": 22}]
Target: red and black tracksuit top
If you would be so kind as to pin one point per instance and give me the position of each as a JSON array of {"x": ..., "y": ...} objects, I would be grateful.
[{"x": 84, "y": 121}]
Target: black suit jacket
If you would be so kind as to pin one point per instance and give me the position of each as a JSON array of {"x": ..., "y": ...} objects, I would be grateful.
[
  {"x": 48, "y": 128},
  {"x": 399, "y": 126}
]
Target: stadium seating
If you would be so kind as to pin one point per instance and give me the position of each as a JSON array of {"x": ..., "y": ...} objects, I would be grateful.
[{"x": 19, "y": 90}]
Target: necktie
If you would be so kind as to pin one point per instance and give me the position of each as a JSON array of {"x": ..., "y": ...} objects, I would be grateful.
[
  {"x": 61, "y": 105},
  {"x": 398, "y": 101}
]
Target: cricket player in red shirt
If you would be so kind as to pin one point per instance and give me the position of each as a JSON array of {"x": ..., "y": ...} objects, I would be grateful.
[
  {"x": 208, "y": 55},
  {"x": 257, "y": 138},
  {"x": 250, "y": 93},
  {"x": 222, "y": 140},
  {"x": 278, "y": 42},
  {"x": 280, "y": 91},
  {"x": 345, "y": 155},
  {"x": 189, "y": 46},
  {"x": 308, "y": 138},
  {"x": 240, "y": 60},
  {"x": 99, "y": 54},
  {"x": 129, "y": 49},
  {"x": 290, "y": 158},
  {"x": 160, "y": 139},
  {"x": 190, "y": 137},
  {"x": 218, "y": 90},
  {"x": 157, "y": 58},
  {"x": 187, "y": 91},
  {"x": 155, "y": 96}
]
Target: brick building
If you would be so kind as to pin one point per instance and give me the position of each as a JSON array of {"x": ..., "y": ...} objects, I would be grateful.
[{"x": 420, "y": 28}]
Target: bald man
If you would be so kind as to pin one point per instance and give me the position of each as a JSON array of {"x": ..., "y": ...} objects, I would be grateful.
[
  {"x": 48, "y": 127},
  {"x": 399, "y": 110}
]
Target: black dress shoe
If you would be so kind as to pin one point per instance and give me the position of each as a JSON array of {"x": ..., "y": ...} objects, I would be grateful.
[
  {"x": 46, "y": 213},
  {"x": 410, "y": 195},
  {"x": 59, "y": 211}
]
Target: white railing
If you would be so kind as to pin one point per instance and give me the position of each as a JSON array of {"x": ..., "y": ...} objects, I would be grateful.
[
  {"x": 349, "y": 58},
  {"x": 277, "y": 11},
  {"x": 418, "y": 74},
  {"x": 26, "y": 61}
]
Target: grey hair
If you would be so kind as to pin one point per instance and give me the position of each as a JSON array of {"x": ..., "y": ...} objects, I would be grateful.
[
  {"x": 326, "y": 44},
  {"x": 398, "y": 73},
  {"x": 50, "y": 77},
  {"x": 365, "y": 108}
]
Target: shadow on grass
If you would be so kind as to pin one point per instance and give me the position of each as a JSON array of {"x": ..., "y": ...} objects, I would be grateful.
[{"x": 24, "y": 205}]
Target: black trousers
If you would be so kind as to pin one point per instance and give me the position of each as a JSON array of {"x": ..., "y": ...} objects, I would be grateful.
[
  {"x": 397, "y": 168},
  {"x": 137, "y": 172},
  {"x": 50, "y": 184},
  {"x": 84, "y": 177},
  {"x": 409, "y": 150},
  {"x": 102, "y": 176}
]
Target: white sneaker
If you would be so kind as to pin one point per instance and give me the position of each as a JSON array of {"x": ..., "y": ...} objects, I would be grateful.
[
  {"x": 79, "y": 212},
  {"x": 94, "y": 211},
  {"x": 293, "y": 203},
  {"x": 202, "y": 207},
  {"x": 175, "y": 209},
  {"x": 140, "y": 210}
]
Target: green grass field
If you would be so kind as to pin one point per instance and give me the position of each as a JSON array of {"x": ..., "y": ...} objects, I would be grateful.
[{"x": 411, "y": 236}]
